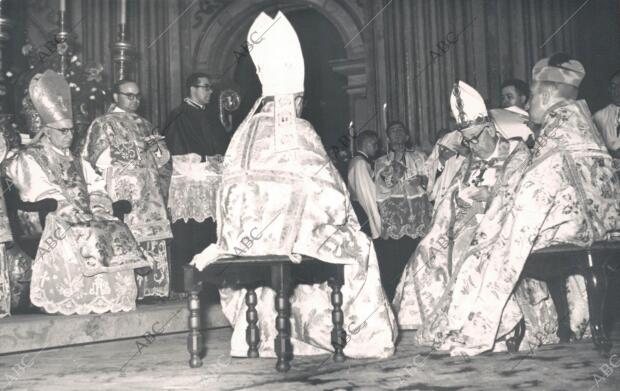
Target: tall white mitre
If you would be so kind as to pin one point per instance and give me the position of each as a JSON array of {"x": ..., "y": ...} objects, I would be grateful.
[
  {"x": 275, "y": 50},
  {"x": 467, "y": 106}
]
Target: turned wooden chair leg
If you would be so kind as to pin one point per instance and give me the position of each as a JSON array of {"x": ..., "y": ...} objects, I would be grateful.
[
  {"x": 194, "y": 338},
  {"x": 252, "y": 333},
  {"x": 280, "y": 280},
  {"x": 339, "y": 335},
  {"x": 597, "y": 289},
  {"x": 557, "y": 290}
]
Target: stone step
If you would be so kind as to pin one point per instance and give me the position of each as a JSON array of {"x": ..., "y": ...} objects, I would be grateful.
[{"x": 26, "y": 332}]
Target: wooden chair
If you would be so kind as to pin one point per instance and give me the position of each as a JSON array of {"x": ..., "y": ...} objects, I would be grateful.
[
  {"x": 554, "y": 264},
  {"x": 282, "y": 275}
]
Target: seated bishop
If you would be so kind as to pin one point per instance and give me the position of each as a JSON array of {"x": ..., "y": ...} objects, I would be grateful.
[
  {"x": 569, "y": 194},
  {"x": 281, "y": 195},
  {"x": 485, "y": 179},
  {"x": 86, "y": 257}
]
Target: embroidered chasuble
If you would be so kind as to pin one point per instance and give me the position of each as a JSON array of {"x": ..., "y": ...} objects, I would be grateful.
[
  {"x": 568, "y": 193},
  {"x": 80, "y": 267},
  {"x": 403, "y": 204},
  {"x": 116, "y": 149},
  {"x": 280, "y": 194},
  {"x": 286, "y": 193}
]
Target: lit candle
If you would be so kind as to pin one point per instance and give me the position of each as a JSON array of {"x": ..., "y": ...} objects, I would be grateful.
[
  {"x": 352, "y": 136},
  {"x": 63, "y": 5},
  {"x": 123, "y": 11},
  {"x": 385, "y": 116}
]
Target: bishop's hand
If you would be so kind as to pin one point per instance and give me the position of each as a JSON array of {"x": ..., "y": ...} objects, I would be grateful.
[{"x": 69, "y": 214}]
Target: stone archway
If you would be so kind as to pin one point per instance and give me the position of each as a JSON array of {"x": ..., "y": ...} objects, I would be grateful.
[{"x": 222, "y": 38}]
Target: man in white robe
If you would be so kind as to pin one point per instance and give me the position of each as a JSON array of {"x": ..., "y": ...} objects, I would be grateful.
[
  {"x": 362, "y": 186},
  {"x": 131, "y": 157},
  {"x": 280, "y": 187},
  {"x": 86, "y": 257},
  {"x": 488, "y": 176},
  {"x": 569, "y": 194},
  {"x": 607, "y": 120},
  {"x": 401, "y": 179}
]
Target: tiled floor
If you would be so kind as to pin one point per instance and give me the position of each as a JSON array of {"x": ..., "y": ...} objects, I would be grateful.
[{"x": 161, "y": 364}]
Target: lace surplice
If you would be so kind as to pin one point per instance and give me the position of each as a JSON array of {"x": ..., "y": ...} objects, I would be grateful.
[{"x": 80, "y": 267}]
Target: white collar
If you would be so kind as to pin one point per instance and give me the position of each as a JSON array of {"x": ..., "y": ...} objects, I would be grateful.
[
  {"x": 66, "y": 153},
  {"x": 496, "y": 150},
  {"x": 117, "y": 109},
  {"x": 192, "y": 102}
]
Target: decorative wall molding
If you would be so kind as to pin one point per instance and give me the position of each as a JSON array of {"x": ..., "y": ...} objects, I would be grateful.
[{"x": 206, "y": 9}]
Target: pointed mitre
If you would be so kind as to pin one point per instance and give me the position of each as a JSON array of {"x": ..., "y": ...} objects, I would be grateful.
[
  {"x": 51, "y": 97},
  {"x": 276, "y": 52},
  {"x": 467, "y": 106}
]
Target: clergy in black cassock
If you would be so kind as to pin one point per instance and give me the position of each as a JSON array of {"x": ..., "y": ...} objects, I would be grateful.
[{"x": 193, "y": 128}]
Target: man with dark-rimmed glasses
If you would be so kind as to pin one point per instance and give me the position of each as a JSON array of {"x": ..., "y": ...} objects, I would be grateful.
[
  {"x": 490, "y": 172},
  {"x": 86, "y": 257},
  {"x": 127, "y": 151},
  {"x": 193, "y": 127}
]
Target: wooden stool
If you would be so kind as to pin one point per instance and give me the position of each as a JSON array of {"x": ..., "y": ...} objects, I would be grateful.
[
  {"x": 279, "y": 273},
  {"x": 554, "y": 264}
]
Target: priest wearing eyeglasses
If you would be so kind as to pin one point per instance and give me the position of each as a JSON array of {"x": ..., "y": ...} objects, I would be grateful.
[
  {"x": 128, "y": 152},
  {"x": 193, "y": 128},
  {"x": 86, "y": 257},
  {"x": 491, "y": 172}
]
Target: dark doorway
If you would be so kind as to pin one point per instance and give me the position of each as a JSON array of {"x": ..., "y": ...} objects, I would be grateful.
[{"x": 326, "y": 102}]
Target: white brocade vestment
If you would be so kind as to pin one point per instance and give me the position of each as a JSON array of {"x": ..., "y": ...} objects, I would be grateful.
[
  {"x": 80, "y": 267},
  {"x": 117, "y": 150},
  {"x": 568, "y": 194},
  {"x": 284, "y": 191}
]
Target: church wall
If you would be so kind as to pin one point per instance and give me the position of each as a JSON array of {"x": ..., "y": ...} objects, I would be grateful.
[
  {"x": 412, "y": 51},
  {"x": 428, "y": 45}
]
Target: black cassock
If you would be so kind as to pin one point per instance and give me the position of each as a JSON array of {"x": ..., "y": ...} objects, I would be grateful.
[{"x": 191, "y": 129}]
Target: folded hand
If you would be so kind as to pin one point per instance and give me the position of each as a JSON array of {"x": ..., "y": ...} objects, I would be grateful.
[{"x": 71, "y": 215}]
